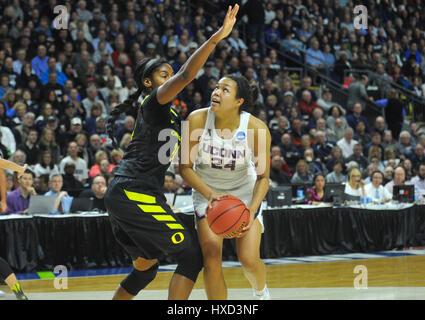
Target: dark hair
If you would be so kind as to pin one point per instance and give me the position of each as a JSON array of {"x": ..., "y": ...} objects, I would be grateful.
[
  {"x": 170, "y": 174},
  {"x": 318, "y": 175},
  {"x": 244, "y": 90},
  {"x": 28, "y": 171},
  {"x": 377, "y": 171},
  {"x": 144, "y": 69}
]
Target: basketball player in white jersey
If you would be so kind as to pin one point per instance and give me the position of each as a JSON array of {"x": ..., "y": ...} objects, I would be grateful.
[{"x": 230, "y": 155}]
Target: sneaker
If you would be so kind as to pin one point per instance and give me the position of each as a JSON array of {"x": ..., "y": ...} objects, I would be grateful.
[
  {"x": 20, "y": 295},
  {"x": 264, "y": 295}
]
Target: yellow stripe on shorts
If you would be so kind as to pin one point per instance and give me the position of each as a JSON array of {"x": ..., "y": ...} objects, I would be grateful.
[
  {"x": 175, "y": 226},
  {"x": 140, "y": 197},
  {"x": 151, "y": 209},
  {"x": 165, "y": 217}
]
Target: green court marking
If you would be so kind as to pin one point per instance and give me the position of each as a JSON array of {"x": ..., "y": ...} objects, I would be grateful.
[{"x": 46, "y": 275}]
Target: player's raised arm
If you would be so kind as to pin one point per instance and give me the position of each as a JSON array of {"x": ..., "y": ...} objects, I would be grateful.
[
  {"x": 196, "y": 61},
  {"x": 9, "y": 165}
]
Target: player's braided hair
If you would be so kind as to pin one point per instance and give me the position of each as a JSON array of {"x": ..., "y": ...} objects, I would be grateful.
[{"x": 144, "y": 69}]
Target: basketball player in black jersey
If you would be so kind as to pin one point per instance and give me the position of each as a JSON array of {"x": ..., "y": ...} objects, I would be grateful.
[
  {"x": 141, "y": 220},
  {"x": 6, "y": 273}
]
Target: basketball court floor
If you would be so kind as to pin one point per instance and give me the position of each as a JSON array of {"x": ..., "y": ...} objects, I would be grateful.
[{"x": 389, "y": 275}]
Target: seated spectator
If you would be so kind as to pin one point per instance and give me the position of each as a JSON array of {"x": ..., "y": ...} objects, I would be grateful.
[
  {"x": 355, "y": 186},
  {"x": 290, "y": 152},
  {"x": 347, "y": 143},
  {"x": 389, "y": 142},
  {"x": 302, "y": 175},
  {"x": 398, "y": 179},
  {"x": 388, "y": 174},
  {"x": 169, "y": 183},
  {"x": 323, "y": 147},
  {"x": 116, "y": 156},
  {"x": 307, "y": 104},
  {"x": 326, "y": 101},
  {"x": 70, "y": 183},
  {"x": 81, "y": 170},
  {"x": 96, "y": 192},
  {"x": 281, "y": 128},
  {"x": 296, "y": 132},
  {"x": 63, "y": 200},
  {"x": 335, "y": 112},
  {"x": 358, "y": 157},
  {"x": 375, "y": 190},
  {"x": 90, "y": 123},
  {"x": 306, "y": 85},
  {"x": 48, "y": 143},
  {"x": 52, "y": 68},
  {"x": 379, "y": 126},
  {"x": 314, "y": 166},
  {"x": 19, "y": 199},
  {"x": 336, "y": 154},
  {"x": 418, "y": 156},
  {"x": 376, "y": 143},
  {"x": 316, "y": 117},
  {"x": 408, "y": 168},
  {"x": 46, "y": 165},
  {"x": 407, "y": 144},
  {"x": 314, "y": 56},
  {"x": 337, "y": 175},
  {"x": 361, "y": 135},
  {"x": 277, "y": 175},
  {"x": 316, "y": 194},
  {"x": 30, "y": 147},
  {"x": 95, "y": 169},
  {"x": 419, "y": 179},
  {"x": 356, "y": 117}
]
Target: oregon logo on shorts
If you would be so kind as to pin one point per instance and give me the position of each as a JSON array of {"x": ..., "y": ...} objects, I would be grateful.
[{"x": 158, "y": 213}]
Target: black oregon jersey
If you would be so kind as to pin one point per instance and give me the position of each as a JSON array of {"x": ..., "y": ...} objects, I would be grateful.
[{"x": 154, "y": 143}]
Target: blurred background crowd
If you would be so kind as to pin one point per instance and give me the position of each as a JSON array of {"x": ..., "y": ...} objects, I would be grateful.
[{"x": 334, "y": 97}]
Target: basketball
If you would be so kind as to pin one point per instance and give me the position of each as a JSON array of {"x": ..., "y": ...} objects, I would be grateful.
[{"x": 227, "y": 217}]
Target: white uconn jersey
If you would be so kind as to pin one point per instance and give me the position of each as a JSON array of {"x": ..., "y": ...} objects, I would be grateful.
[{"x": 225, "y": 165}]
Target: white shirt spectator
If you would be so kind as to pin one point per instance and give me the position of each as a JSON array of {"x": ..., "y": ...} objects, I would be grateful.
[
  {"x": 419, "y": 183},
  {"x": 346, "y": 147},
  {"x": 377, "y": 194},
  {"x": 8, "y": 139},
  {"x": 353, "y": 192},
  {"x": 81, "y": 171},
  {"x": 39, "y": 170}
]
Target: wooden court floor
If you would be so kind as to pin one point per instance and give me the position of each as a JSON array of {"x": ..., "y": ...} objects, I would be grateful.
[{"x": 380, "y": 272}]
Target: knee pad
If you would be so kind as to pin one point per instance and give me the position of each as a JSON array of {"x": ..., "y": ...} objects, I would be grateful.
[
  {"x": 5, "y": 269},
  {"x": 190, "y": 262},
  {"x": 138, "y": 280}
]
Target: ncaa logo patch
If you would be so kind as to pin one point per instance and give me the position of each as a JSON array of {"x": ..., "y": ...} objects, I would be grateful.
[{"x": 240, "y": 136}]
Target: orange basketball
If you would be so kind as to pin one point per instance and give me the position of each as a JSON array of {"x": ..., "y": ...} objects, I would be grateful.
[{"x": 227, "y": 217}]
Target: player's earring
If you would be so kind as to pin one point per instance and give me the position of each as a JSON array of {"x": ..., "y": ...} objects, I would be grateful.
[
  {"x": 240, "y": 102},
  {"x": 147, "y": 82}
]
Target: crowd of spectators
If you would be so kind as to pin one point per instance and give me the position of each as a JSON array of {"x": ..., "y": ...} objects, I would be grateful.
[{"x": 57, "y": 86}]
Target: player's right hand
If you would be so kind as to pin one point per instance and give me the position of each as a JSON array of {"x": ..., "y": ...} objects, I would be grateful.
[
  {"x": 21, "y": 172},
  {"x": 229, "y": 22},
  {"x": 215, "y": 196}
]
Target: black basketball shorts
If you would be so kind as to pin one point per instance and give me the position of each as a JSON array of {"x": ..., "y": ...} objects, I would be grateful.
[{"x": 142, "y": 222}]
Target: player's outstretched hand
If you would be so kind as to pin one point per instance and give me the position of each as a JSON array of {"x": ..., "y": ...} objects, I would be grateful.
[
  {"x": 21, "y": 172},
  {"x": 229, "y": 22}
]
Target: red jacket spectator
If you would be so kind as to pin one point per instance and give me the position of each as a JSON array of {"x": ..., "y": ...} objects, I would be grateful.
[{"x": 306, "y": 104}]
